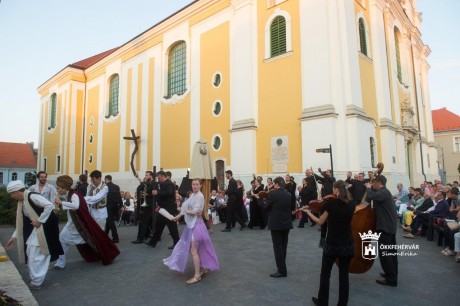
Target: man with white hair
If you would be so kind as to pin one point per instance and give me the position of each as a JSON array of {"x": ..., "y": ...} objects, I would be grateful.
[{"x": 37, "y": 232}]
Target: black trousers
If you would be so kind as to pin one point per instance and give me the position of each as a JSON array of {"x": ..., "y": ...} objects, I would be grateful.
[
  {"x": 280, "y": 242},
  {"x": 112, "y": 214},
  {"x": 160, "y": 224},
  {"x": 421, "y": 219},
  {"x": 305, "y": 218},
  {"x": 324, "y": 283},
  {"x": 388, "y": 262},
  {"x": 145, "y": 223},
  {"x": 234, "y": 213}
]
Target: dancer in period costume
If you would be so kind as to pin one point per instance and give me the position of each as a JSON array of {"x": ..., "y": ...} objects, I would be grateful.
[
  {"x": 195, "y": 238},
  {"x": 81, "y": 229},
  {"x": 37, "y": 232}
]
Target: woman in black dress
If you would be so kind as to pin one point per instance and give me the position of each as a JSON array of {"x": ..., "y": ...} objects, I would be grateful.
[{"x": 339, "y": 243}]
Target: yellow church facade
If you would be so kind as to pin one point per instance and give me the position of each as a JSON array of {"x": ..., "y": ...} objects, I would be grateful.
[{"x": 264, "y": 82}]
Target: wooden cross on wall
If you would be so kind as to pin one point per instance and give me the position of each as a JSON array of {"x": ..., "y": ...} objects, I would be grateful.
[{"x": 134, "y": 138}]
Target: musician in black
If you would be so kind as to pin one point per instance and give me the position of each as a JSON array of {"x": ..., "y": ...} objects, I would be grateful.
[
  {"x": 146, "y": 202},
  {"x": 308, "y": 193},
  {"x": 114, "y": 203},
  {"x": 326, "y": 180},
  {"x": 339, "y": 243},
  {"x": 357, "y": 188},
  {"x": 233, "y": 211},
  {"x": 166, "y": 199},
  {"x": 291, "y": 187}
]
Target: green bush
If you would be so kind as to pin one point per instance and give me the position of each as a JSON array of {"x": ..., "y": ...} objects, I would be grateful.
[{"x": 7, "y": 208}]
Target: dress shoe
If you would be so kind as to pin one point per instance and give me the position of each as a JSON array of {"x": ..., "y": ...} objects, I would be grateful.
[
  {"x": 410, "y": 236},
  {"x": 56, "y": 268},
  {"x": 171, "y": 247},
  {"x": 386, "y": 283},
  {"x": 313, "y": 224},
  {"x": 226, "y": 230},
  {"x": 115, "y": 240},
  {"x": 150, "y": 244},
  {"x": 383, "y": 275},
  {"x": 137, "y": 241},
  {"x": 300, "y": 226},
  {"x": 315, "y": 300},
  {"x": 33, "y": 287},
  {"x": 278, "y": 275},
  {"x": 242, "y": 227}
]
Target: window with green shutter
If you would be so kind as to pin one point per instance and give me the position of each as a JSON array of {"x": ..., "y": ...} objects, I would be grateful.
[
  {"x": 362, "y": 37},
  {"x": 113, "y": 96},
  {"x": 278, "y": 36},
  {"x": 398, "y": 57},
  {"x": 177, "y": 69},
  {"x": 53, "y": 112}
]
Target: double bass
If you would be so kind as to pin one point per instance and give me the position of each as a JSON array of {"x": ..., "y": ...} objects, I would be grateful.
[{"x": 363, "y": 221}]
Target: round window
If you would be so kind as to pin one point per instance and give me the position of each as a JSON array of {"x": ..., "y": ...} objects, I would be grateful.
[
  {"x": 91, "y": 121},
  {"x": 216, "y": 143},
  {"x": 217, "y": 108},
  {"x": 90, "y": 158},
  {"x": 91, "y": 138},
  {"x": 217, "y": 79}
]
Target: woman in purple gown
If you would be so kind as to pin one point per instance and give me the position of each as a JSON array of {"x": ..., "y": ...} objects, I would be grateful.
[{"x": 195, "y": 238}]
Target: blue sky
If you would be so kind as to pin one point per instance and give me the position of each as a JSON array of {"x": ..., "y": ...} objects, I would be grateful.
[{"x": 39, "y": 38}]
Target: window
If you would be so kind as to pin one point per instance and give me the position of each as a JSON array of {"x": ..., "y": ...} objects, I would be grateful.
[
  {"x": 457, "y": 144},
  {"x": 58, "y": 163},
  {"x": 372, "y": 147},
  {"x": 177, "y": 69},
  {"x": 44, "y": 164},
  {"x": 362, "y": 37},
  {"x": 1, "y": 177},
  {"x": 217, "y": 108},
  {"x": 216, "y": 80},
  {"x": 90, "y": 159},
  {"x": 112, "y": 109},
  {"x": 91, "y": 138},
  {"x": 216, "y": 143},
  {"x": 53, "y": 111},
  {"x": 278, "y": 36},
  {"x": 398, "y": 57},
  {"x": 14, "y": 176}
]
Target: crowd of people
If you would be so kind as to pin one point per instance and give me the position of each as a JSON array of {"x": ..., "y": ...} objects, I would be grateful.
[{"x": 97, "y": 208}]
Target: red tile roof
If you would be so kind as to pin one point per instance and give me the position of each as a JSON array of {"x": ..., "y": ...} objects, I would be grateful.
[
  {"x": 87, "y": 62},
  {"x": 444, "y": 120},
  {"x": 17, "y": 155}
]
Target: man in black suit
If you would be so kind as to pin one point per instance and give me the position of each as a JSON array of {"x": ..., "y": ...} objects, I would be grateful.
[
  {"x": 114, "y": 203},
  {"x": 233, "y": 211},
  {"x": 166, "y": 198},
  {"x": 327, "y": 180},
  {"x": 278, "y": 206},
  {"x": 146, "y": 204}
]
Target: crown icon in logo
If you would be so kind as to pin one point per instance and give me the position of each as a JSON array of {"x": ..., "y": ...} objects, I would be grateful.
[{"x": 370, "y": 235}]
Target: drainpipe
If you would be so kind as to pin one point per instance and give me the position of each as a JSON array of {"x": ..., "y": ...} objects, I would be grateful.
[
  {"x": 84, "y": 128},
  {"x": 418, "y": 113}
]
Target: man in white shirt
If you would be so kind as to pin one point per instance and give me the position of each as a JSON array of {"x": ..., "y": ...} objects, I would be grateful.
[
  {"x": 42, "y": 187},
  {"x": 96, "y": 198},
  {"x": 37, "y": 232}
]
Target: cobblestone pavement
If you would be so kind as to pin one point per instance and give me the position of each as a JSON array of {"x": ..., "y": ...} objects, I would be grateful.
[{"x": 138, "y": 275}]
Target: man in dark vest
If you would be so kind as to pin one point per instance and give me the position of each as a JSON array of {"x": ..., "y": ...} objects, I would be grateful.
[
  {"x": 147, "y": 203},
  {"x": 114, "y": 202}
]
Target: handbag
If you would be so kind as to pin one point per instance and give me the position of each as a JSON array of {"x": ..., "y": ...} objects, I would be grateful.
[{"x": 453, "y": 225}]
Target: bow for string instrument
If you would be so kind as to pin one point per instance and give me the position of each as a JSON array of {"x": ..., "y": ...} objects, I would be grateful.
[{"x": 362, "y": 222}]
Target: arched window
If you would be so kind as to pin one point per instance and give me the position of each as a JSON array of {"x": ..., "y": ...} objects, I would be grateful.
[
  {"x": 362, "y": 37},
  {"x": 372, "y": 147},
  {"x": 53, "y": 112},
  {"x": 112, "y": 109},
  {"x": 177, "y": 69},
  {"x": 278, "y": 36},
  {"x": 398, "y": 57},
  {"x": 14, "y": 176}
]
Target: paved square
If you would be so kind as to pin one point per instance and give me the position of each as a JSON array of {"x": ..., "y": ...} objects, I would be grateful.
[{"x": 138, "y": 275}]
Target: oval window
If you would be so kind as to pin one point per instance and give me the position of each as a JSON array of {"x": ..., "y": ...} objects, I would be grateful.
[
  {"x": 90, "y": 159},
  {"x": 217, "y": 108},
  {"x": 216, "y": 143},
  {"x": 216, "y": 80},
  {"x": 91, "y": 138}
]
